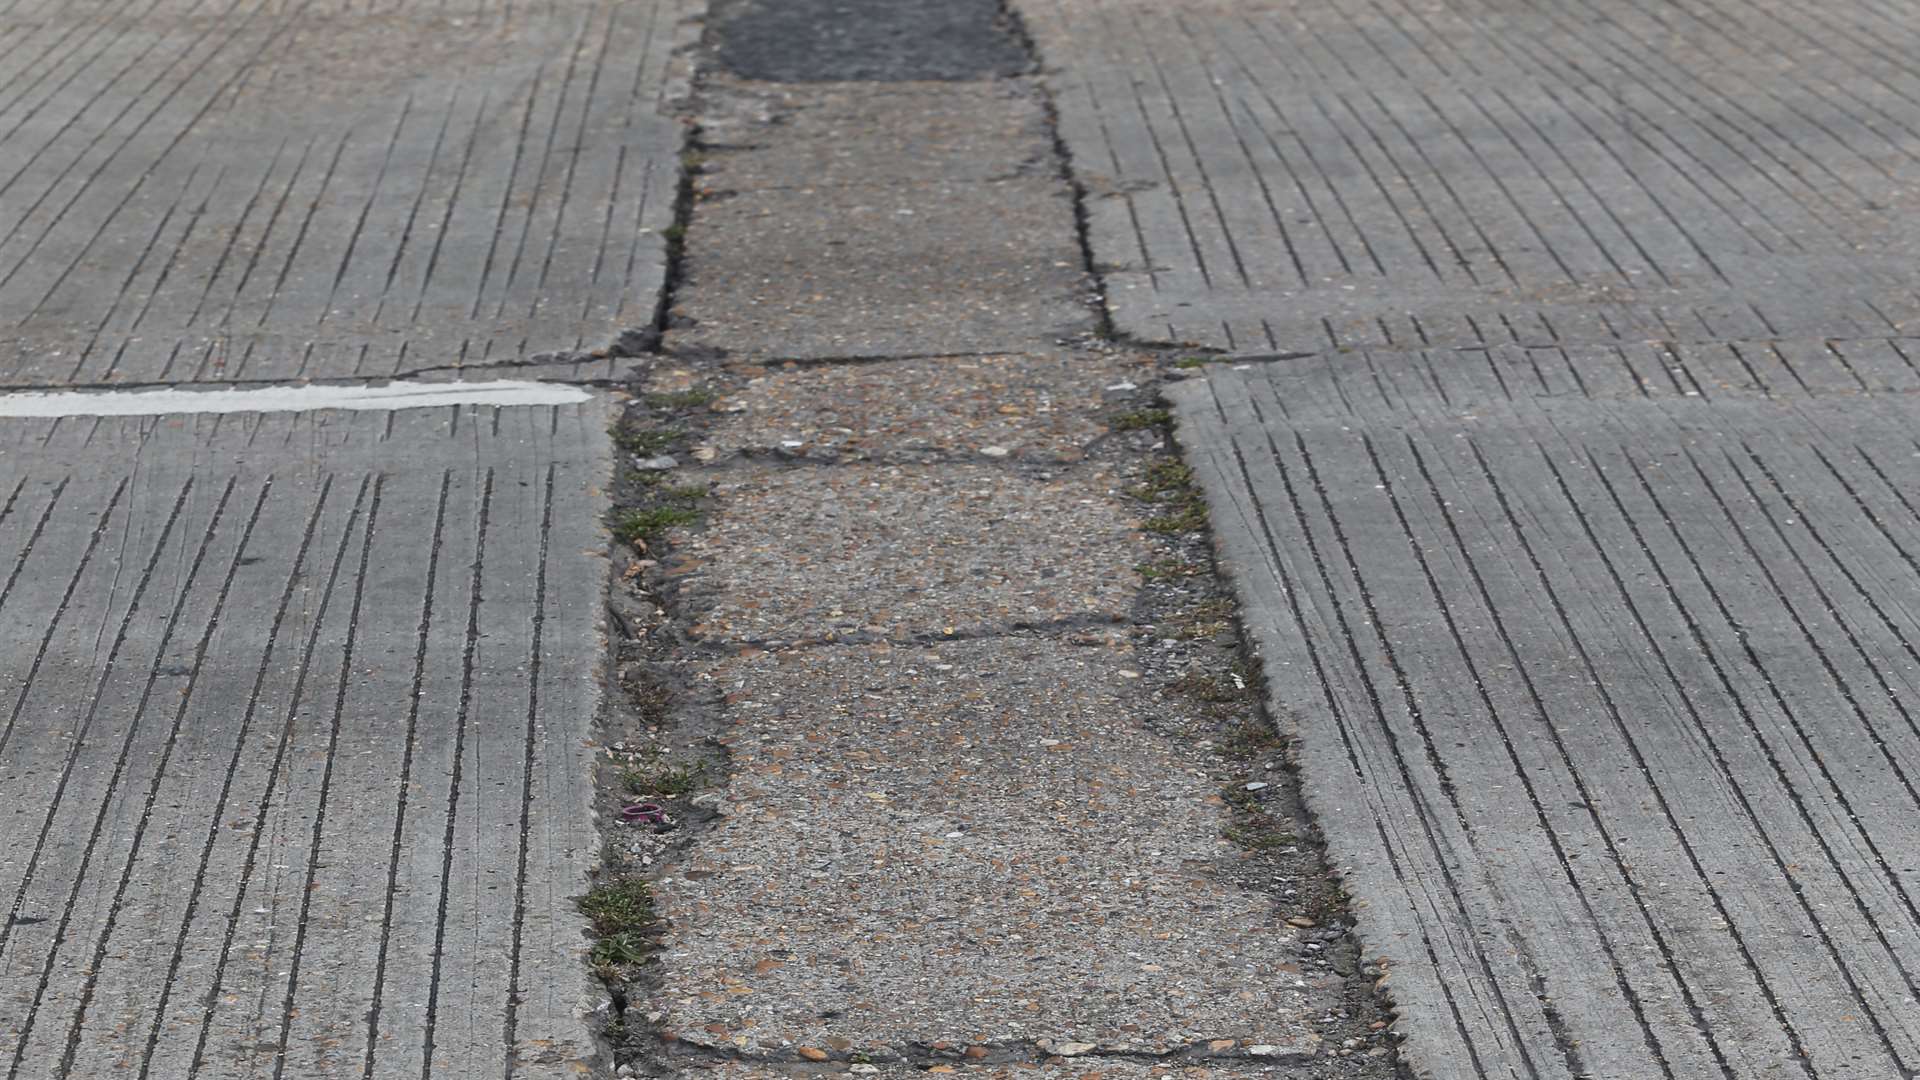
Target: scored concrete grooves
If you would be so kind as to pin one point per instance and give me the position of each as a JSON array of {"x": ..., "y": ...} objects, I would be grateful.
[
  {"x": 299, "y": 662},
  {"x": 295, "y": 741},
  {"x": 1288, "y": 175},
  {"x": 262, "y": 189},
  {"x": 1617, "y": 672}
]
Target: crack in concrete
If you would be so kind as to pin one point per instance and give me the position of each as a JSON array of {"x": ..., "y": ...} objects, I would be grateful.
[
  {"x": 1065, "y": 625},
  {"x": 1032, "y": 1052}
]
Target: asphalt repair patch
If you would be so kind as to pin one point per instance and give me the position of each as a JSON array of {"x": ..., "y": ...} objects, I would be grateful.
[{"x": 865, "y": 40}]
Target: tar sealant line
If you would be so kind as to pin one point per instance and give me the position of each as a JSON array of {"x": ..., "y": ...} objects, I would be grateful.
[{"x": 395, "y": 395}]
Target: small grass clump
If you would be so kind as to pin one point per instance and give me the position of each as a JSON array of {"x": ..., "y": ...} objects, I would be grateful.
[
  {"x": 1191, "y": 518},
  {"x": 698, "y": 397},
  {"x": 620, "y": 951},
  {"x": 1260, "y": 832},
  {"x": 1165, "y": 480},
  {"x": 1169, "y": 484},
  {"x": 1169, "y": 570},
  {"x": 1140, "y": 420},
  {"x": 621, "y": 914},
  {"x": 1252, "y": 737},
  {"x": 666, "y": 780},
  {"x": 1190, "y": 362},
  {"x": 678, "y": 505},
  {"x": 620, "y": 906},
  {"x": 641, "y": 526},
  {"x": 646, "y": 442}
]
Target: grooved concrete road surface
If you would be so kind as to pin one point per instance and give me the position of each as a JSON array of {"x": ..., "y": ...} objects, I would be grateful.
[
  {"x": 293, "y": 746},
  {"x": 294, "y": 706},
  {"x": 1605, "y": 696},
  {"x": 1576, "y": 516},
  {"x": 196, "y": 190},
  {"x": 1294, "y": 175}
]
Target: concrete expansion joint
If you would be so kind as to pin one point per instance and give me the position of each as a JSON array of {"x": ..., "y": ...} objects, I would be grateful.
[
  {"x": 944, "y": 1057},
  {"x": 870, "y": 185},
  {"x": 1040, "y": 466},
  {"x": 872, "y": 358},
  {"x": 1069, "y": 627}
]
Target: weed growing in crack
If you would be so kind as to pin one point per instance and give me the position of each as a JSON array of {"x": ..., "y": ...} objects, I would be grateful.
[
  {"x": 695, "y": 398},
  {"x": 620, "y": 906},
  {"x": 1188, "y": 519},
  {"x": 1252, "y": 737},
  {"x": 1140, "y": 420},
  {"x": 1165, "y": 480},
  {"x": 1256, "y": 831},
  {"x": 646, "y": 442},
  {"x": 623, "y": 950},
  {"x": 1169, "y": 570},
  {"x": 665, "y": 780},
  {"x": 621, "y": 915},
  {"x": 679, "y": 505},
  {"x": 1168, "y": 484},
  {"x": 645, "y": 526}
]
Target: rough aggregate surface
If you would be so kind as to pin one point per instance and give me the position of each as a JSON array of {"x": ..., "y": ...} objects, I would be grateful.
[
  {"x": 799, "y": 553},
  {"x": 1047, "y": 407},
  {"x": 977, "y": 843}
]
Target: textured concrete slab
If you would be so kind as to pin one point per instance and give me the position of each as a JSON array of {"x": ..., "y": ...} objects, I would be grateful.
[
  {"x": 806, "y": 553},
  {"x": 1616, "y": 660},
  {"x": 1031, "y": 408},
  {"x": 813, "y": 273},
  {"x": 1288, "y": 175},
  {"x": 834, "y": 134},
  {"x": 292, "y": 771},
  {"x": 979, "y": 844},
  {"x": 254, "y": 190}
]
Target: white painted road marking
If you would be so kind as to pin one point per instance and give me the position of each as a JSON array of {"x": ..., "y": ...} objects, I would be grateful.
[{"x": 397, "y": 395}]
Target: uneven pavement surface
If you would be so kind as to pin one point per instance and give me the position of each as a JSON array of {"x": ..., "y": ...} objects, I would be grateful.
[
  {"x": 924, "y": 666},
  {"x": 294, "y": 702},
  {"x": 1562, "y": 456},
  {"x": 1553, "y": 395}
]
